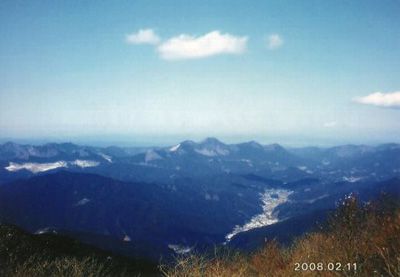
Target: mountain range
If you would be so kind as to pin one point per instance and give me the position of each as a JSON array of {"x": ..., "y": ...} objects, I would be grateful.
[{"x": 157, "y": 201}]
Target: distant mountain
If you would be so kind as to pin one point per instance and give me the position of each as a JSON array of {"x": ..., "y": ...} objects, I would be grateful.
[
  {"x": 145, "y": 217},
  {"x": 209, "y": 157},
  {"x": 156, "y": 201},
  {"x": 63, "y": 151},
  {"x": 22, "y": 161},
  {"x": 48, "y": 152}
]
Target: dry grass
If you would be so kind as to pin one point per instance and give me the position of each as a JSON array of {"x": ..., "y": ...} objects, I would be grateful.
[
  {"x": 368, "y": 236},
  {"x": 62, "y": 267},
  {"x": 26, "y": 255}
]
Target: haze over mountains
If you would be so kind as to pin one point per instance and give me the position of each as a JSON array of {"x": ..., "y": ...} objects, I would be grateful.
[{"x": 192, "y": 195}]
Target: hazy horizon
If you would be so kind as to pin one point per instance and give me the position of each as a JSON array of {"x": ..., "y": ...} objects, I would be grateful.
[
  {"x": 299, "y": 72},
  {"x": 131, "y": 141}
]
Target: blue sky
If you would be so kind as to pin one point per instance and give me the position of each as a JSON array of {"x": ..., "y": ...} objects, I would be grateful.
[{"x": 146, "y": 72}]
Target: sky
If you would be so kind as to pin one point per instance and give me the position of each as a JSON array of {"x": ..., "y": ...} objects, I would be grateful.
[{"x": 157, "y": 72}]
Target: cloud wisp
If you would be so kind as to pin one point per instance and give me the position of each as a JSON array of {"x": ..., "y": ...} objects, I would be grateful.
[
  {"x": 190, "y": 47},
  {"x": 143, "y": 36},
  {"x": 274, "y": 41},
  {"x": 379, "y": 99}
]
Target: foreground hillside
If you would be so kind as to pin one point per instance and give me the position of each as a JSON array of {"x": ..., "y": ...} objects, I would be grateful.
[
  {"x": 357, "y": 241},
  {"x": 23, "y": 254}
]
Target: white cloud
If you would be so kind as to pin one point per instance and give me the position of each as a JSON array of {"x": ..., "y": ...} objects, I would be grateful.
[
  {"x": 388, "y": 100},
  {"x": 143, "y": 36},
  {"x": 191, "y": 47},
  {"x": 330, "y": 124},
  {"x": 274, "y": 41}
]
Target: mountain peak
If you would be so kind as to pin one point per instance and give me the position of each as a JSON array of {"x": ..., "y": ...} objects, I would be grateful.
[
  {"x": 252, "y": 144},
  {"x": 273, "y": 147},
  {"x": 9, "y": 145},
  {"x": 187, "y": 143},
  {"x": 211, "y": 140}
]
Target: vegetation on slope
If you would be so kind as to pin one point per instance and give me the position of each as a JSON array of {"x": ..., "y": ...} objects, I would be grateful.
[
  {"x": 23, "y": 254},
  {"x": 358, "y": 240}
]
